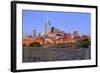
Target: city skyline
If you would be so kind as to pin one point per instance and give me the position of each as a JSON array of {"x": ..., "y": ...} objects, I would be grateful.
[{"x": 65, "y": 21}]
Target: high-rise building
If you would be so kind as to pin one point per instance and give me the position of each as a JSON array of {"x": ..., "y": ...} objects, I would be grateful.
[
  {"x": 76, "y": 34},
  {"x": 47, "y": 26},
  {"x": 52, "y": 29},
  {"x": 39, "y": 35},
  {"x": 57, "y": 31},
  {"x": 34, "y": 33}
]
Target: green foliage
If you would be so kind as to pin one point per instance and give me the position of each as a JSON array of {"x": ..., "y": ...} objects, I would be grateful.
[
  {"x": 34, "y": 44},
  {"x": 85, "y": 43}
]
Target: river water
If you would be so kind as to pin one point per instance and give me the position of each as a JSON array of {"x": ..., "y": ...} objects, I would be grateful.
[{"x": 39, "y": 54}]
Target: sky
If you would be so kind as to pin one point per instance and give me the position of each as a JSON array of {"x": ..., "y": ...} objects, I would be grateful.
[{"x": 65, "y": 21}]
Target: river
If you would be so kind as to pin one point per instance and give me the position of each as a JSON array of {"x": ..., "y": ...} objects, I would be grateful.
[{"x": 39, "y": 54}]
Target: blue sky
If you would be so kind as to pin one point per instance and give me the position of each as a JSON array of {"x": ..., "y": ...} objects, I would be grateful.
[{"x": 66, "y": 21}]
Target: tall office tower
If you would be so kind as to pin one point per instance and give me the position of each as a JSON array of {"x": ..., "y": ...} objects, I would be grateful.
[
  {"x": 34, "y": 33},
  {"x": 39, "y": 34},
  {"x": 57, "y": 30},
  {"x": 52, "y": 29},
  {"x": 47, "y": 26},
  {"x": 76, "y": 34}
]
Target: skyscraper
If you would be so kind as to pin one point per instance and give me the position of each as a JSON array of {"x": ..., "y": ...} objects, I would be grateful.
[
  {"x": 76, "y": 34},
  {"x": 57, "y": 30},
  {"x": 39, "y": 34},
  {"x": 34, "y": 33},
  {"x": 52, "y": 29},
  {"x": 47, "y": 26}
]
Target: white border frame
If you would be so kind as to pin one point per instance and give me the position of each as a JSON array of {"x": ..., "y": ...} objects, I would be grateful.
[{"x": 21, "y": 66}]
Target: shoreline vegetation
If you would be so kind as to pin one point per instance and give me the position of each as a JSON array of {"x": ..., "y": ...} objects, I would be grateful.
[{"x": 79, "y": 44}]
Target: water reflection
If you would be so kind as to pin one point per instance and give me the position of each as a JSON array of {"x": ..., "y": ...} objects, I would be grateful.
[{"x": 55, "y": 54}]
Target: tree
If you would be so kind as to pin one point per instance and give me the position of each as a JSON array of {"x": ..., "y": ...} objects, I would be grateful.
[
  {"x": 84, "y": 43},
  {"x": 35, "y": 44}
]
